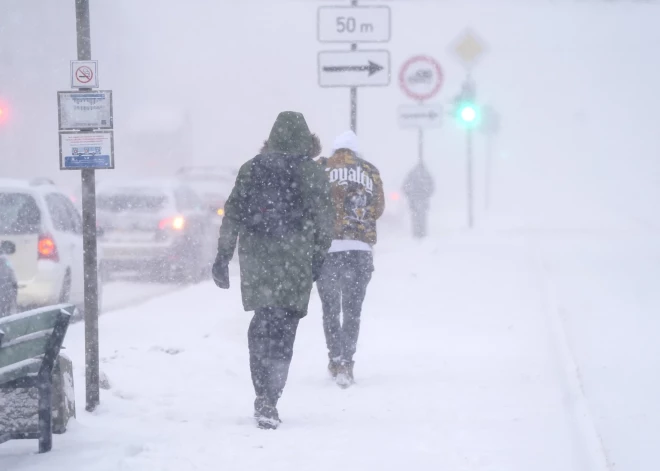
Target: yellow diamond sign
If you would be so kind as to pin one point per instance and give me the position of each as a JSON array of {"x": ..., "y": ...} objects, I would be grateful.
[{"x": 469, "y": 48}]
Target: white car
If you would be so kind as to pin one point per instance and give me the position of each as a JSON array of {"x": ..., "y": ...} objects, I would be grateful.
[{"x": 46, "y": 229}]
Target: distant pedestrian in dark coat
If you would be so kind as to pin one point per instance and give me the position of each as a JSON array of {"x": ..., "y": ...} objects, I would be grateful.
[{"x": 418, "y": 188}]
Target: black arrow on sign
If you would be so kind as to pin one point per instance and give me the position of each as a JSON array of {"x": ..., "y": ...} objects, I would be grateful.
[
  {"x": 430, "y": 114},
  {"x": 372, "y": 68}
]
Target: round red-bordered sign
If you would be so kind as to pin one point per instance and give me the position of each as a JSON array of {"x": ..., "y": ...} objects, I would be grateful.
[
  {"x": 84, "y": 74},
  {"x": 421, "y": 77}
]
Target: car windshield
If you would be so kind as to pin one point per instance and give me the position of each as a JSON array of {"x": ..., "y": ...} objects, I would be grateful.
[
  {"x": 134, "y": 201},
  {"x": 19, "y": 214}
]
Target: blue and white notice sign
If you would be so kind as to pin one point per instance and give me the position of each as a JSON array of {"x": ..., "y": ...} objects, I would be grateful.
[{"x": 87, "y": 150}]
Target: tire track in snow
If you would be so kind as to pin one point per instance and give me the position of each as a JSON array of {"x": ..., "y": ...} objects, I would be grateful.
[{"x": 595, "y": 452}]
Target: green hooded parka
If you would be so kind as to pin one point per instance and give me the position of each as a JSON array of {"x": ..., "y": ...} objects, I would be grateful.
[{"x": 277, "y": 272}]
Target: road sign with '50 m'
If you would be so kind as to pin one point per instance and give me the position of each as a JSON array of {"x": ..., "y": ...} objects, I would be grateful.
[{"x": 354, "y": 24}]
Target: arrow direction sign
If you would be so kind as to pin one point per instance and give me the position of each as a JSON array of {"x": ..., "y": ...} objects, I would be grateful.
[
  {"x": 420, "y": 116},
  {"x": 372, "y": 67},
  {"x": 354, "y": 68}
]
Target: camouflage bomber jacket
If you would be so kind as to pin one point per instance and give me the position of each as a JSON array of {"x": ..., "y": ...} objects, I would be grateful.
[{"x": 357, "y": 194}]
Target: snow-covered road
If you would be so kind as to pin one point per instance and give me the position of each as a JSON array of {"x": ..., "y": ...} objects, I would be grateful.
[{"x": 483, "y": 352}]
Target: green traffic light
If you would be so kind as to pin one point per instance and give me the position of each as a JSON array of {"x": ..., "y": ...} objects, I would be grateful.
[{"x": 468, "y": 114}]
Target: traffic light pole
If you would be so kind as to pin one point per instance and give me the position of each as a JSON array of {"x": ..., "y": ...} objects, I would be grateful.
[
  {"x": 467, "y": 112},
  {"x": 83, "y": 30},
  {"x": 470, "y": 180}
]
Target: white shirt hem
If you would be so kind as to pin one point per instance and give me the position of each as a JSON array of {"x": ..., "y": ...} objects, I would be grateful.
[{"x": 347, "y": 245}]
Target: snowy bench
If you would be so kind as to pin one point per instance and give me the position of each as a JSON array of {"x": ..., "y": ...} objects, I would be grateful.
[{"x": 30, "y": 343}]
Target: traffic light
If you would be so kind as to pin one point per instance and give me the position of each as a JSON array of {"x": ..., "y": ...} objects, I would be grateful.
[
  {"x": 466, "y": 109},
  {"x": 468, "y": 112}
]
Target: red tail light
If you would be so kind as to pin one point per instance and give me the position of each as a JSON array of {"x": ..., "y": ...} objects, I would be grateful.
[
  {"x": 177, "y": 223},
  {"x": 47, "y": 248}
]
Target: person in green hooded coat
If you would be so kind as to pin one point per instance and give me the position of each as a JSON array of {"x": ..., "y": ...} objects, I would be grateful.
[{"x": 281, "y": 215}]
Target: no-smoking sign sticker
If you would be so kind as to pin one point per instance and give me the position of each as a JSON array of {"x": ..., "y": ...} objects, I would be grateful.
[
  {"x": 84, "y": 74},
  {"x": 421, "y": 78}
]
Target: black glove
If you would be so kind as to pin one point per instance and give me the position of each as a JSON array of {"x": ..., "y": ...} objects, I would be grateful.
[
  {"x": 220, "y": 272},
  {"x": 317, "y": 266}
]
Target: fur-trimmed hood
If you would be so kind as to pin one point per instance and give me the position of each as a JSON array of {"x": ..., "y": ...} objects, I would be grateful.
[
  {"x": 315, "y": 149},
  {"x": 290, "y": 135}
]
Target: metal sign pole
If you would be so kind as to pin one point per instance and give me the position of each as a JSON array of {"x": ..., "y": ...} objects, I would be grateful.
[
  {"x": 83, "y": 31},
  {"x": 354, "y": 109},
  {"x": 420, "y": 145},
  {"x": 354, "y": 3},
  {"x": 354, "y": 100}
]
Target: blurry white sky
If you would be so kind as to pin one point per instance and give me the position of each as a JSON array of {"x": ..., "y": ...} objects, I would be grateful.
[{"x": 576, "y": 83}]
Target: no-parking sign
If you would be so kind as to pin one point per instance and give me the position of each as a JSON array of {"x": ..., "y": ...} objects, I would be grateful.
[{"x": 421, "y": 77}]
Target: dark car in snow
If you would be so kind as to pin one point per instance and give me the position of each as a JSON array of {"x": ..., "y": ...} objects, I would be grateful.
[
  {"x": 157, "y": 225},
  {"x": 8, "y": 284},
  {"x": 212, "y": 184}
]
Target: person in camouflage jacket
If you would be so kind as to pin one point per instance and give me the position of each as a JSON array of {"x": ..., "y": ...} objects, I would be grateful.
[{"x": 359, "y": 201}]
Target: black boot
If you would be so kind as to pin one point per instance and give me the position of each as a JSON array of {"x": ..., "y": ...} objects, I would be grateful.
[{"x": 276, "y": 372}]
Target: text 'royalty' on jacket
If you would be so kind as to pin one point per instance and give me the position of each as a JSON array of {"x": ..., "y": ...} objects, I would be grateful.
[{"x": 357, "y": 194}]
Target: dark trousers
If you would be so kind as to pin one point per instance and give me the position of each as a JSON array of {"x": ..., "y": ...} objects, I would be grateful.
[
  {"x": 271, "y": 336},
  {"x": 342, "y": 287}
]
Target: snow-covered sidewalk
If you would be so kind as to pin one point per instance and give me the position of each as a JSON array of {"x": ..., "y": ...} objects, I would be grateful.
[{"x": 463, "y": 364}]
